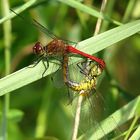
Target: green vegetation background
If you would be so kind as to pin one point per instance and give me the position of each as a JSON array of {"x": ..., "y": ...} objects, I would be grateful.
[{"x": 40, "y": 109}]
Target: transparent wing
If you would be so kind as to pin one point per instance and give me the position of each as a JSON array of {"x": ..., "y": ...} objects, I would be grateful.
[
  {"x": 49, "y": 33},
  {"x": 93, "y": 110},
  {"x": 73, "y": 73},
  {"x": 37, "y": 25},
  {"x": 43, "y": 29}
]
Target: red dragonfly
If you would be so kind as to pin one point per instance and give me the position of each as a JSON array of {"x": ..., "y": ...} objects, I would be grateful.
[{"x": 57, "y": 47}]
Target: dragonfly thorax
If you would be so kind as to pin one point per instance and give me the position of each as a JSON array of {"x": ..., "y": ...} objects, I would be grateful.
[
  {"x": 95, "y": 71},
  {"x": 56, "y": 47}
]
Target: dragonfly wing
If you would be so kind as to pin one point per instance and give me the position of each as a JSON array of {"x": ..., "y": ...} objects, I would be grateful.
[
  {"x": 96, "y": 111},
  {"x": 43, "y": 29}
]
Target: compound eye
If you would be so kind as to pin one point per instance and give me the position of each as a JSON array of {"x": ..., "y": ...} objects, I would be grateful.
[{"x": 37, "y": 48}]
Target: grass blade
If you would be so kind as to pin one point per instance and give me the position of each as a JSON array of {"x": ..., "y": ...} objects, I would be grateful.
[
  {"x": 120, "y": 117},
  {"x": 91, "y": 46}
]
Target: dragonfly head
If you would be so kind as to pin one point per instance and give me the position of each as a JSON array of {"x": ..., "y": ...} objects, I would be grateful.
[{"x": 38, "y": 49}]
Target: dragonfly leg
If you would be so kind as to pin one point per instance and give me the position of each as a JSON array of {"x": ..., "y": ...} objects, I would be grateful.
[
  {"x": 52, "y": 79},
  {"x": 58, "y": 58},
  {"x": 57, "y": 63},
  {"x": 81, "y": 68},
  {"x": 74, "y": 43},
  {"x": 36, "y": 62},
  {"x": 70, "y": 97},
  {"x": 46, "y": 66}
]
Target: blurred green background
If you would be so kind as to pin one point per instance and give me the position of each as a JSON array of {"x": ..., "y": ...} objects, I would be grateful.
[{"x": 41, "y": 110}]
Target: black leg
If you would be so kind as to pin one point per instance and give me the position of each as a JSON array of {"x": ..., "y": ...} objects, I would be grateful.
[
  {"x": 36, "y": 62},
  {"x": 70, "y": 97},
  {"x": 81, "y": 68},
  {"x": 46, "y": 67},
  {"x": 52, "y": 79}
]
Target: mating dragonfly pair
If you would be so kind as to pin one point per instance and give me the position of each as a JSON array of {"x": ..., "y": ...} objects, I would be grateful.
[
  {"x": 60, "y": 48},
  {"x": 91, "y": 70}
]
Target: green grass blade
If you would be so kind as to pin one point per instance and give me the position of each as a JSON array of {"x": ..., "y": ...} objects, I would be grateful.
[
  {"x": 91, "y": 46},
  {"x": 19, "y": 10},
  {"x": 110, "y": 37},
  {"x": 79, "y": 6},
  {"x": 136, "y": 134},
  {"x": 71, "y": 3},
  {"x": 23, "y": 77},
  {"x": 115, "y": 120}
]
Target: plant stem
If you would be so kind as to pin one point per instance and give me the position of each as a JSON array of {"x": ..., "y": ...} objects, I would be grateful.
[
  {"x": 7, "y": 44},
  {"x": 99, "y": 21},
  {"x": 77, "y": 118},
  {"x": 131, "y": 127},
  {"x": 18, "y": 10}
]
